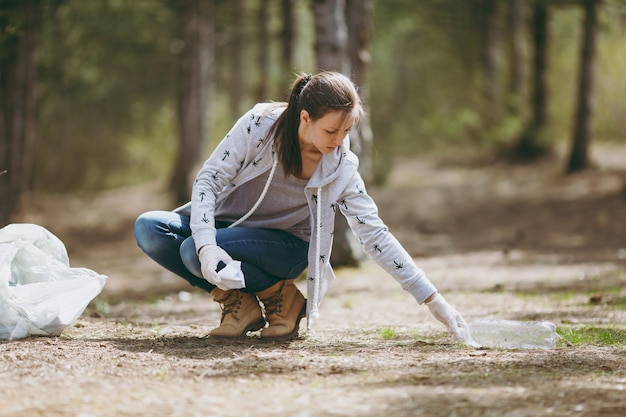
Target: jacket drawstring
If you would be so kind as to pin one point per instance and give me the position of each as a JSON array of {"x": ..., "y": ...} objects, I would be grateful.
[
  {"x": 261, "y": 197},
  {"x": 313, "y": 314}
]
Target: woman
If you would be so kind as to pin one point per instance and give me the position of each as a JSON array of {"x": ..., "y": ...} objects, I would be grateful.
[{"x": 263, "y": 209}]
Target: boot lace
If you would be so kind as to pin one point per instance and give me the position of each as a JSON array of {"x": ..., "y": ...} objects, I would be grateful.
[
  {"x": 273, "y": 304},
  {"x": 231, "y": 306}
]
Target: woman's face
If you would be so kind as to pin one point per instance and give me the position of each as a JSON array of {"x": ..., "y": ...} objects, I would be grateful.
[{"x": 326, "y": 133}]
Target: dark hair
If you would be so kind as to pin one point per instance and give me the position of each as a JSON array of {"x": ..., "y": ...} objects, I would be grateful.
[{"x": 317, "y": 94}]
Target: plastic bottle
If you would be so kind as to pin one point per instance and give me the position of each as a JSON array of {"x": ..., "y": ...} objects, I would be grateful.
[{"x": 509, "y": 334}]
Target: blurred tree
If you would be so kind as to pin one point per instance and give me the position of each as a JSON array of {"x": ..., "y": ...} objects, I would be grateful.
[
  {"x": 107, "y": 84},
  {"x": 20, "y": 25},
  {"x": 236, "y": 54},
  {"x": 358, "y": 26},
  {"x": 330, "y": 34},
  {"x": 263, "y": 48},
  {"x": 194, "y": 64},
  {"x": 342, "y": 31},
  {"x": 426, "y": 76},
  {"x": 578, "y": 159},
  {"x": 532, "y": 143},
  {"x": 330, "y": 55},
  {"x": 516, "y": 35},
  {"x": 491, "y": 15},
  {"x": 287, "y": 35}
]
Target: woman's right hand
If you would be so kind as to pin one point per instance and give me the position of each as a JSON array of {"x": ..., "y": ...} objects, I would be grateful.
[{"x": 210, "y": 256}]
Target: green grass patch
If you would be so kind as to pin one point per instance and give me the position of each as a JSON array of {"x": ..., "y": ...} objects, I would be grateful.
[
  {"x": 612, "y": 335},
  {"x": 387, "y": 333}
]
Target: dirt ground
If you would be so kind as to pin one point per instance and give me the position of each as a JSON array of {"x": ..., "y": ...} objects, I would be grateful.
[{"x": 509, "y": 242}]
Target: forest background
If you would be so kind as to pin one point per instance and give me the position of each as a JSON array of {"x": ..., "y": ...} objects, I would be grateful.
[
  {"x": 495, "y": 149},
  {"x": 109, "y": 93}
]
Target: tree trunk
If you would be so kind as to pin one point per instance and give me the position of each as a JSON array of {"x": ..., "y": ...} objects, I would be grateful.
[
  {"x": 578, "y": 159},
  {"x": 358, "y": 24},
  {"x": 330, "y": 35},
  {"x": 287, "y": 35},
  {"x": 236, "y": 52},
  {"x": 516, "y": 81},
  {"x": 540, "y": 39},
  {"x": 263, "y": 49},
  {"x": 491, "y": 34},
  {"x": 532, "y": 144},
  {"x": 330, "y": 39},
  {"x": 18, "y": 76},
  {"x": 196, "y": 30}
]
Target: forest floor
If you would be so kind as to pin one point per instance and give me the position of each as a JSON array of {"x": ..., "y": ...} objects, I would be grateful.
[{"x": 519, "y": 242}]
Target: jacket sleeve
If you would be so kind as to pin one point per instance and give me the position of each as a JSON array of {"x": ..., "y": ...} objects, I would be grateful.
[
  {"x": 215, "y": 176},
  {"x": 379, "y": 243}
]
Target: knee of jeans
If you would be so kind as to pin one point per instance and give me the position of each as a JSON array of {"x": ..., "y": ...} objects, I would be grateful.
[
  {"x": 189, "y": 256},
  {"x": 143, "y": 230}
]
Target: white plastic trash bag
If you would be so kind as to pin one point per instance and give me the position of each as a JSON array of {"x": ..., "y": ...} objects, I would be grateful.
[{"x": 40, "y": 295}]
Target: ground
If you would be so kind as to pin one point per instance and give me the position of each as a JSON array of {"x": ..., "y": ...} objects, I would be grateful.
[{"x": 508, "y": 242}]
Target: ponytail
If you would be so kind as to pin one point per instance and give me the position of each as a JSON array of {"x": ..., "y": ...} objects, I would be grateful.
[{"x": 285, "y": 130}]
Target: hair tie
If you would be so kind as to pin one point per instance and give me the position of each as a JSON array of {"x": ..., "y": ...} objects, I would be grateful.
[{"x": 298, "y": 90}]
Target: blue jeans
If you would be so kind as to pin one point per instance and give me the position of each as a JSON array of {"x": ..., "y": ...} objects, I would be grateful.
[{"x": 267, "y": 255}]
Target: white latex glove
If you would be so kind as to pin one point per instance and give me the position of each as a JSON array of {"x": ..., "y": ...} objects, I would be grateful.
[
  {"x": 228, "y": 278},
  {"x": 445, "y": 313}
]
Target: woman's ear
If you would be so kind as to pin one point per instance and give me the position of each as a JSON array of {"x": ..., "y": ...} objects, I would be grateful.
[{"x": 305, "y": 117}]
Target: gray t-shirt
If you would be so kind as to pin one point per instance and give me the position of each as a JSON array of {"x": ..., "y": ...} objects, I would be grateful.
[{"x": 284, "y": 206}]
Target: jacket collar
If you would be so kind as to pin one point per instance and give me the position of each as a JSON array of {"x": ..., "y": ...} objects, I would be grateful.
[{"x": 341, "y": 161}]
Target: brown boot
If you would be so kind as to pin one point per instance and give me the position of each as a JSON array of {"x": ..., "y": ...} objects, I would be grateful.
[
  {"x": 285, "y": 306},
  {"x": 241, "y": 313}
]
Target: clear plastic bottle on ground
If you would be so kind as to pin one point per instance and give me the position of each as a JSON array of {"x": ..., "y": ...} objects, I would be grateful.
[{"x": 509, "y": 334}]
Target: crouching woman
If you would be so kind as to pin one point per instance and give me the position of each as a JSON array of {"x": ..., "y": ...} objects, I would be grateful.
[{"x": 262, "y": 212}]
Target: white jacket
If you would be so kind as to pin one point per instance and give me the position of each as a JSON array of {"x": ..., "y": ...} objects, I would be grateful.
[{"x": 246, "y": 152}]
